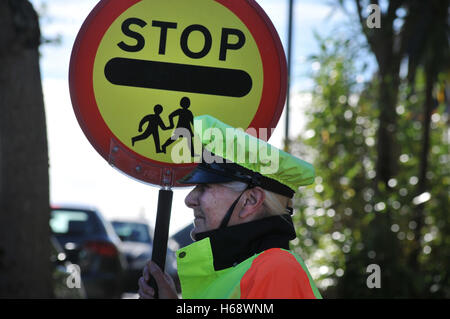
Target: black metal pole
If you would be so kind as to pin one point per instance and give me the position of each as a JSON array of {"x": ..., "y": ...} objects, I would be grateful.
[
  {"x": 289, "y": 53},
  {"x": 161, "y": 234}
]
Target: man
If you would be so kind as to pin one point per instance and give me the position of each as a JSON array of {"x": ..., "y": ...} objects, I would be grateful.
[{"x": 242, "y": 224}]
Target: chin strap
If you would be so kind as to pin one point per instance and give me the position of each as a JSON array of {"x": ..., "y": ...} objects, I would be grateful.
[
  {"x": 290, "y": 210},
  {"x": 227, "y": 217},
  {"x": 230, "y": 211}
]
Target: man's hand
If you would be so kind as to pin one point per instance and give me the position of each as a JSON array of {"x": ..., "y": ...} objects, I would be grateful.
[{"x": 166, "y": 286}]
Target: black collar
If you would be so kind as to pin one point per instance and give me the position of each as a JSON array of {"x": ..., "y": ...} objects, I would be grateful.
[{"x": 234, "y": 244}]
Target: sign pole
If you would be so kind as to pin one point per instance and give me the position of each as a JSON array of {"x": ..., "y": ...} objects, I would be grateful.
[{"x": 161, "y": 233}]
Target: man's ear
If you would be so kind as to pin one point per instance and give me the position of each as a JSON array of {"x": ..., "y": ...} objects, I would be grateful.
[{"x": 253, "y": 201}]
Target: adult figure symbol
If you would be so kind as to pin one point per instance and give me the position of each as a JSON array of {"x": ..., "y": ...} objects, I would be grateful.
[{"x": 184, "y": 125}]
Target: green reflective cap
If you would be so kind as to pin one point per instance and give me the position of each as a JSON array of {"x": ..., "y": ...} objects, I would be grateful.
[{"x": 252, "y": 153}]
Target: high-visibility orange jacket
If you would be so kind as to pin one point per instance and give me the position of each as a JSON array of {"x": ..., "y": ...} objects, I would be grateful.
[{"x": 247, "y": 261}]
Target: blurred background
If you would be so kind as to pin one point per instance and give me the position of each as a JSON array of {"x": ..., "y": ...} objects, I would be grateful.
[{"x": 369, "y": 104}]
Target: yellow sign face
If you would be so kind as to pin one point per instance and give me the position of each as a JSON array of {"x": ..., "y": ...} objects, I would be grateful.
[{"x": 161, "y": 63}]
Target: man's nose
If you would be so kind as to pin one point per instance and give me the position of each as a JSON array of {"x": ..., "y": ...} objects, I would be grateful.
[{"x": 191, "y": 199}]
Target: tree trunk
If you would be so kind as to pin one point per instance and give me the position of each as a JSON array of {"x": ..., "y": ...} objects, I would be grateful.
[
  {"x": 418, "y": 213},
  {"x": 386, "y": 149},
  {"x": 24, "y": 192}
]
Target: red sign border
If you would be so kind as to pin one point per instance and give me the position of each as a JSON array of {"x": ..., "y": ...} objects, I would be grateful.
[{"x": 81, "y": 77}]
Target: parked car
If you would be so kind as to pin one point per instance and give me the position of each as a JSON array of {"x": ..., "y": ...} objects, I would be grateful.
[
  {"x": 66, "y": 277},
  {"x": 137, "y": 244},
  {"x": 90, "y": 242}
]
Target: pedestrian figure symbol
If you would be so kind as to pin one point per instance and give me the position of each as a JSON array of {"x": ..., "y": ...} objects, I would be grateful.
[
  {"x": 183, "y": 127},
  {"x": 154, "y": 123}
]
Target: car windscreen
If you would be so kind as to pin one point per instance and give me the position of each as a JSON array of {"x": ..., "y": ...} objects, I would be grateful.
[
  {"x": 74, "y": 223},
  {"x": 132, "y": 232}
]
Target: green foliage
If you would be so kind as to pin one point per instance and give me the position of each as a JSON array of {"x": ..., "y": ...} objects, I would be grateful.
[{"x": 347, "y": 220}]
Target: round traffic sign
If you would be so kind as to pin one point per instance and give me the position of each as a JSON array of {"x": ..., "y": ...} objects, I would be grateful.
[{"x": 142, "y": 69}]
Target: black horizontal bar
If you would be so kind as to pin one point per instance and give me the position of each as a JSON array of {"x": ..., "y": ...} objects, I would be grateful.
[{"x": 178, "y": 77}]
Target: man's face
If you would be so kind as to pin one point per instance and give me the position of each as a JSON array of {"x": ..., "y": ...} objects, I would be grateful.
[{"x": 210, "y": 203}]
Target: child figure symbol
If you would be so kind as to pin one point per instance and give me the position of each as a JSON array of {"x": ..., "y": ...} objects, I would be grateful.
[{"x": 154, "y": 123}]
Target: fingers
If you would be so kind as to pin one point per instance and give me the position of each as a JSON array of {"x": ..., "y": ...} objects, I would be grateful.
[
  {"x": 145, "y": 291},
  {"x": 146, "y": 273},
  {"x": 165, "y": 283},
  {"x": 170, "y": 281},
  {"x": 159, "y": 276}
]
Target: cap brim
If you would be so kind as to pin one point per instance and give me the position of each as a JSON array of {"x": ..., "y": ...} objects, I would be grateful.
[{"x": 201, "y": 175}]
